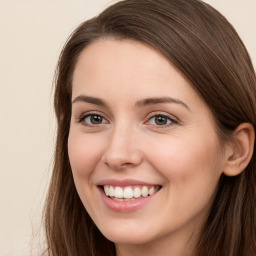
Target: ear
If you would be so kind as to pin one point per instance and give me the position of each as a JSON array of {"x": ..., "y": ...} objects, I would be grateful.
[{"x": 241, "y": 149}]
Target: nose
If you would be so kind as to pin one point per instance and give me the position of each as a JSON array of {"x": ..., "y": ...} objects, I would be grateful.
[{"x": 122, "y": 150}]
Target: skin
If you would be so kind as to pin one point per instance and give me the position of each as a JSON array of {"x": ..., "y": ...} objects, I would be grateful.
[{"x": 184, "y": 155}]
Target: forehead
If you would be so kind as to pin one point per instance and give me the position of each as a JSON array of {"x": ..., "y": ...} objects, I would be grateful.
[
  {"x": 121, "y": 59},
  {"x": 124, "y": 68},
  {"x": 114, "y": 55}
]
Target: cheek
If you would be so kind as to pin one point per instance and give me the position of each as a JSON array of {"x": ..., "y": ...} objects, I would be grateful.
[
  {"x": 84, "y": 154},
  {"x": 188, "y": 165},
  {"x": 191, "y": 174}
]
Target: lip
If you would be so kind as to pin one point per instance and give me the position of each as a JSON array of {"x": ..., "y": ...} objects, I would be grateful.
[
  {"x": 125, "y": 206},
  {"x": 124, "y": 183}
]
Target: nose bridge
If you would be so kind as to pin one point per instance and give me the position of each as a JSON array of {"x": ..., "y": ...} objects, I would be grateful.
[{"x": 122, "y": 149}]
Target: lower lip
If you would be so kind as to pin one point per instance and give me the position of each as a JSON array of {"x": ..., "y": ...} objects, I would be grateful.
[{"x": 126, "y": 206}]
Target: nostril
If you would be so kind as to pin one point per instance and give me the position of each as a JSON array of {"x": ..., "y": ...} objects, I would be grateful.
[
  {"x": 126, "y": 164},
  {"x": 119, "y": 155}
]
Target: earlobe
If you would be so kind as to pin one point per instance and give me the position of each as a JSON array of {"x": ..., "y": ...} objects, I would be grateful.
[{"x": 242, "y": 148}]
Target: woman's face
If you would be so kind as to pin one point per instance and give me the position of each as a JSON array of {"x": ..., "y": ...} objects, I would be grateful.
[{"x": 141, "y": 132}]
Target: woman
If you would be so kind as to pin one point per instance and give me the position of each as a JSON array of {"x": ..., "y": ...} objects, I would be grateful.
[{"x": 155, "y": 103}]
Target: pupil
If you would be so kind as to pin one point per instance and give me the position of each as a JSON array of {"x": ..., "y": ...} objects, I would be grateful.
[
  {"x": 96, "y": 119},
  {"x": 160, "y": 120}
]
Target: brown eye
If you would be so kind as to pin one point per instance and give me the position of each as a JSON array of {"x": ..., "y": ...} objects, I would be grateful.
[
  {"x": 93, "y": 119},
  {"x": 160, "y": 120}
]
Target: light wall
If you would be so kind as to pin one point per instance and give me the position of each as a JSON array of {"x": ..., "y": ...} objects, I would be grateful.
[{"x": 32, "y": 34}]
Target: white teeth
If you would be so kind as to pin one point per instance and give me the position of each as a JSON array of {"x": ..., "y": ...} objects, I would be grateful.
[
  {"x": 119, "y": 193},
  {"x": 151, "y": 191},
  {"x": 111, "y": 191},
  {"x": 129, "y": 193},
  {"x": 137, "y": 192},
  {"x": 144, "y": 191},
  {"x": 106, "y": 190}
]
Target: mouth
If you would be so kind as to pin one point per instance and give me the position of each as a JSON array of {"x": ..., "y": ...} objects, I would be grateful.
[{"x": 129, "y": 193}]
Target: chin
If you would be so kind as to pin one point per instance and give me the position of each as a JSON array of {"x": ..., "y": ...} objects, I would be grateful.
[
  {"x": 128, "y": 238},
  {"x": 121, "y": 235}
]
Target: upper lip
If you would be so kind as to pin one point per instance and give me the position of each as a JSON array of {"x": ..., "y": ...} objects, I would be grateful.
[{"x": 125, "y": 182}]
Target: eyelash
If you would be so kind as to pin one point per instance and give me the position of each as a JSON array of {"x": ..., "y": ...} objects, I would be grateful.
[
  {"x": 90, "y": 115},
  {"x": 170, "y": 120}
]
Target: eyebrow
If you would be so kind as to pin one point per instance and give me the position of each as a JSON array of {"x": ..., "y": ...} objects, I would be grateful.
[
  {"x": 89, "y": 99},
  {"x": 160, "y": 100},
  {"x": 140, "y": 103}
]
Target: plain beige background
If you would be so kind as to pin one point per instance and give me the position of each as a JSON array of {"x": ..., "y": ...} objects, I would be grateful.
[{"x": 32, "y": 33}]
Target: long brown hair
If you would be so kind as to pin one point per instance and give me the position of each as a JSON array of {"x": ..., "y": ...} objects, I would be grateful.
[{"x": 202, "y": 44}]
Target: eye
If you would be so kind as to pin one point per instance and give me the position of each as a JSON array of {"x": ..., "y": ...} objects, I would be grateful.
[
  {"x": 160, "y": 120},
  {"x": 93, "y": 119}
]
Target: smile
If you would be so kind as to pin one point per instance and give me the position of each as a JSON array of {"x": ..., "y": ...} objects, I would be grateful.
[{"x": 129, "y": 193}]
